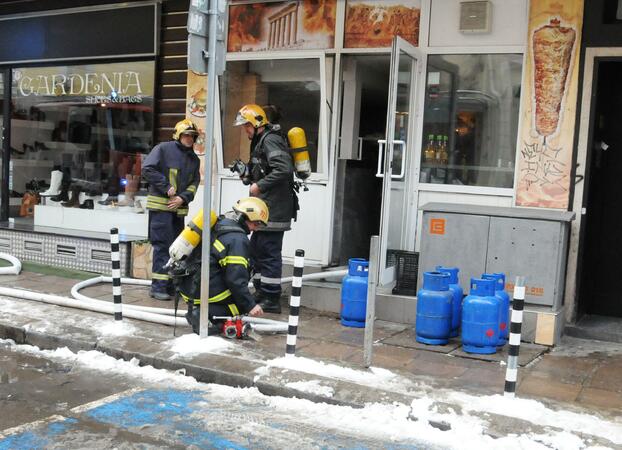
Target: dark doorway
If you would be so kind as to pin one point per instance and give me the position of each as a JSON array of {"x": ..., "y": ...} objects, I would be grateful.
[
  {"x": 359, "y": 190},
  {"x": 602, "y": 255}
]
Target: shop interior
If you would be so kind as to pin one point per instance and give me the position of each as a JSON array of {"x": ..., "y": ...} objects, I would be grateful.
[
  {"x": 75, "y": 151},
  {"x": 602, "y": 239}
]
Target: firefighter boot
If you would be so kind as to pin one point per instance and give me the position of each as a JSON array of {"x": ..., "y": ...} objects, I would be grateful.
[{"x": 269, "y": 303}]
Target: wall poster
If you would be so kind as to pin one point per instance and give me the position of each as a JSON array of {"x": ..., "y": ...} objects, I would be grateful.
[
  {"x": 550, "y": 86},
  {"x": 196, "y": 101},
  {"x": 374, "y": 23},
  {"x": 287, "y": 25}
]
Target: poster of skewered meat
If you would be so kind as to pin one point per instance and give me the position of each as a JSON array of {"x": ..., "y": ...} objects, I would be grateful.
[
  {"x": 374, "y": 23},
  {"x": 549, "y": 103},
  {"x": 288, "y": 25}
]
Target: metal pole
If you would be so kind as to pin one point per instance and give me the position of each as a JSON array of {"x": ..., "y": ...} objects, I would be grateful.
[
  {"x": 374, "y": 252},
  {"x": 207, "y": 182},
  {"x": 518, "y": 304},
  {"x": 294, "y": 303},
  {"x": 116, "y": 273}
]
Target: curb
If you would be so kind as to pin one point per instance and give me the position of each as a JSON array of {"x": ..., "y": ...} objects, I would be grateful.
[{"x": 202, "y": 374}]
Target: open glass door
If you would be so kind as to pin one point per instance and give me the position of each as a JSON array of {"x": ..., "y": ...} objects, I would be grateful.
[
  {"x": 4, "y": 146},
  {"x": 396, "y": 154}
]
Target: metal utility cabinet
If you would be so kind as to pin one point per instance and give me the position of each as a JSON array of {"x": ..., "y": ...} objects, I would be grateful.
[{"x": 516, "y": 241}]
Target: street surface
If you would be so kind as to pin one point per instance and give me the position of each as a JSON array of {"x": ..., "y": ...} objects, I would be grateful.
[{"x": 51, "y": 404}]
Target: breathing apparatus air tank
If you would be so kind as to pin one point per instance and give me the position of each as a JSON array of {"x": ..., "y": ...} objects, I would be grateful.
[
  {"x": 300, "y": 153},
  {"x": 189, "y": 238}
]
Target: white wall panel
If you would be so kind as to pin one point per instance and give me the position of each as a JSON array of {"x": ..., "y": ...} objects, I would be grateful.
[
  {"x": 309, "y": 233},
  {"x": 508, "y": 25}
]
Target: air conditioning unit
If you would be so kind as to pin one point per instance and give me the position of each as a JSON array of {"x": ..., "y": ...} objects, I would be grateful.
[{"x": 475, "y": 17}]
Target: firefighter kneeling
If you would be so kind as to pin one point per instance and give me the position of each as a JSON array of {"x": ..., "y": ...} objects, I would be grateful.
[{"x": 229, "y": 295}]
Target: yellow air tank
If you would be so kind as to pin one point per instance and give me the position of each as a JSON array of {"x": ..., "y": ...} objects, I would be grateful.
[
  {"x": 298, "y": 148},
  {"x": 190, "y": 237}
]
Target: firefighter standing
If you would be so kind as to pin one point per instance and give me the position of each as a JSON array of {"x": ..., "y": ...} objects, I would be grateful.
[
  {"x": 229, "y": 265},
  {"x": 172, "y": 171},
  {"x": 271, "y": 179}
]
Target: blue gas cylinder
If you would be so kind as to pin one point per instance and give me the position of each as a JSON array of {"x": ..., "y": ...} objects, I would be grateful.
[
  {"x": 434, "y": 309},
  {"x": 456, "y": 302},
  {"x": 480, "y": 318},
  {"x": 354, "y": 293},
  {"x": 504, "y": 299}
]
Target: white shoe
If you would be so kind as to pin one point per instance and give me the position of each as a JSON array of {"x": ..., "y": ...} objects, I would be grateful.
[
  {"x": 138, "y": 207},
  {"x": 56, "y": 178}
]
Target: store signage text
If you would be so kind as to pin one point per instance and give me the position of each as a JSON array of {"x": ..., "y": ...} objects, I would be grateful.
[{"x": 88, "y": 84}]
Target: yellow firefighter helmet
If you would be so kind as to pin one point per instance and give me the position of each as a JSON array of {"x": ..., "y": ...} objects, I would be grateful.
[
  {"x": 185, "y": 127},
  {"x": 255, "y": 209},
  {"x": 252, "y": 114}
]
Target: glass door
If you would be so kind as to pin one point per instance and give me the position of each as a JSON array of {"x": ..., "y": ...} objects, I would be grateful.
[
  {"x": 396, "y": 154},
  {"x": 4, "y": 145}
]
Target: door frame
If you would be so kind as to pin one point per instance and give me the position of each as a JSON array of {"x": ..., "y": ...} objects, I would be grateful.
[
  {"x": 387, "y": 275},
  {"x": 574, "y": 268}
]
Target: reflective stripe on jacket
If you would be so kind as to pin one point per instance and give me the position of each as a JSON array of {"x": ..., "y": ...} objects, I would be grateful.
[
  {"x": 229, "y": 268},
  {"x": 168, "y": 165}
]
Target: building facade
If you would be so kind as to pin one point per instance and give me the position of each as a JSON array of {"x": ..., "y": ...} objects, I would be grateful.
[{"x": 500, "y": 103}]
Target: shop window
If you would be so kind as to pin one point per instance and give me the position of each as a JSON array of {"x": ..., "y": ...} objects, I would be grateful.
[
  {"x": 293, "y": 86},
  {"x": 471, "y": 120},
  {"x": 78, "y": 136}
]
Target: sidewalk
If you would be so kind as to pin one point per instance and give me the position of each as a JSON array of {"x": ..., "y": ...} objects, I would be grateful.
[{"x": 579, "y": 374}]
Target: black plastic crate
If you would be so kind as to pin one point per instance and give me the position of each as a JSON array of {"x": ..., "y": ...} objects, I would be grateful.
[{"x": 406, "y": 272}]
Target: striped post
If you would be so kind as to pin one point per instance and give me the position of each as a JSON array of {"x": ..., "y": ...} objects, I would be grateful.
[
  {"x": 116, "y": 272},
  {"x": 294, "y": 303},
  {"x": 518, "y": 304}
]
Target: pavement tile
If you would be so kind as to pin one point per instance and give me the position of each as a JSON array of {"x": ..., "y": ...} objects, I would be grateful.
[
  {"x": 420, "y": 366},
  {"x": 391, "y": 357},
  {"x": 536, "y": 387},
  {"x": 607, "y": 377},
  {"x": 600, "y": 398},
  {"x": 527, "y": 353},
  {"x": 565, "y": 369},
  {"x": 331, "y": 350},
  {"x": 407, "y": 339},
  {"x": 493, "y": 379}
]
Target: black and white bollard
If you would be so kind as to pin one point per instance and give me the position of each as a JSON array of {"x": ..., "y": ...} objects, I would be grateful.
[
  {"x": 516, "y": 321},
  {"x": 294, "y": 303},
  {"x": 116, "y": 272}
]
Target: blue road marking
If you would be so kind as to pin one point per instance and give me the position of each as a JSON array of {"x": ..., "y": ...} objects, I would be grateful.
[
  {"x": 171, "y": 415},
  {"x": 39, "y": 439},
  {"x": 165, "y": 409}
]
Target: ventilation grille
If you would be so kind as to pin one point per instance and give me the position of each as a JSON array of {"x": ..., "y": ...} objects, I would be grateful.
[
  {"x": 33, "y": 246},
  {"x": 100, "y": 255},
  {"x": 475, "y": 17},
  {"x": 66, "y": 250},
  {"x": 5, "y": 242}
]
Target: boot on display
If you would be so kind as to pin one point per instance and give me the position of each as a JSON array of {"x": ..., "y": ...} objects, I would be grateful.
[
  {"x": 56, "y": 178},
  {"x": 74, "y": 201}
]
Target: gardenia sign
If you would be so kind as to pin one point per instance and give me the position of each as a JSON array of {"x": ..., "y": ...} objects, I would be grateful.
[{"x": 97, "y": 87}]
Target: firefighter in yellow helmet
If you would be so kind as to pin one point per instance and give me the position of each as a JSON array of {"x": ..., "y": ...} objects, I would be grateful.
[
  {"x": 271, "y": 174},
  {"x": 229, "y": 265},
  {"x": 172, "y": 171}
]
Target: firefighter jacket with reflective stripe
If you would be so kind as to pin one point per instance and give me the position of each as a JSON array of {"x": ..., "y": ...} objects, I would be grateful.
[
  {"x": 229, "y": 268},
  {"x": 272, "y": 168},
  {"x": 171, "y": 164}
]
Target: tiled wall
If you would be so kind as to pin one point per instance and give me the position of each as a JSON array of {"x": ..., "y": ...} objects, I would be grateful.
[{"x": 91, "y": 255}]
